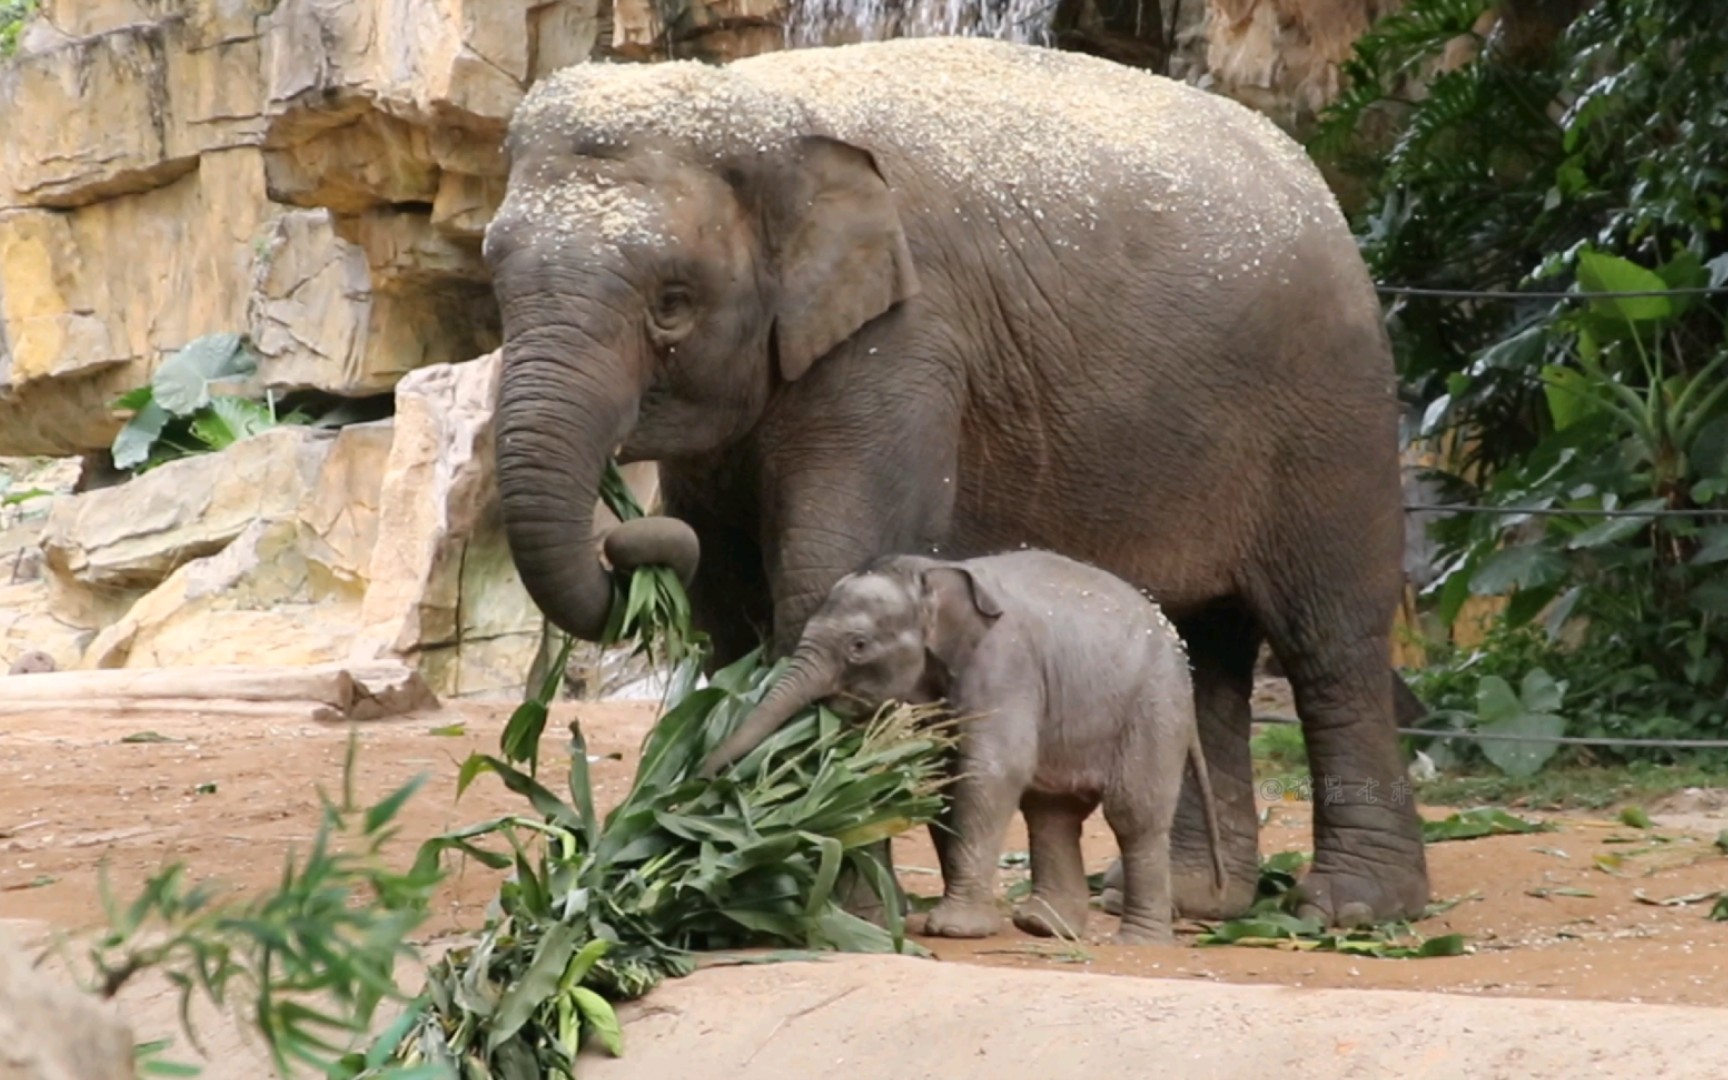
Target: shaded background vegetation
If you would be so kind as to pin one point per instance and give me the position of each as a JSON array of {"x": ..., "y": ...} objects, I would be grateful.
[{"x": 1575, "y": 148}]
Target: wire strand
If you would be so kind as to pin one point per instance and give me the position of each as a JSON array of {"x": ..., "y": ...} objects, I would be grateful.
[
  {"x": 1506, "y": 294},
  {"x": 1564, "y": 740}
]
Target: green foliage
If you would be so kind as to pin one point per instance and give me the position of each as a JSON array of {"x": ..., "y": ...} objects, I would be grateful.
[
  {"x": 599, "y": 910},
  {"x": 179, "y": 412},
  {"x": 602, "y": 909},
  {"x": 13, "y": 15},
  {"x": 313, "y": 958},
  {"x": 1596, "y": 165},
  {"x": 1270, "y": 924}
]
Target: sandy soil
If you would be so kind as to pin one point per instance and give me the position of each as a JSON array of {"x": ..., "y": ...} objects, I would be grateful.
[{"x": 229, "y": 797}]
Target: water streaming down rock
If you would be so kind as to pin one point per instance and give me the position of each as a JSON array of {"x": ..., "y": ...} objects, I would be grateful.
[{"x": 834, "y": 22}]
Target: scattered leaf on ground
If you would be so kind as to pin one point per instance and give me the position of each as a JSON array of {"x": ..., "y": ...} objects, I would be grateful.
[
  {"x": 1719, "y": 913},
  {"x": 1562, "y": 890},
  {"x": 1635, "y": 817},
  {"x": 1609, "y": 863},
  {"x": 1674, "y": 901},
  {"x": 146, "y": 737},
  {"x": 450, "y": 731},
  {"x": 1722, "y": 841},
  {"x": 1554, "y": 851},
  {"x": 1441, "y": 907},
  {"x": 1478, "y": 822}
]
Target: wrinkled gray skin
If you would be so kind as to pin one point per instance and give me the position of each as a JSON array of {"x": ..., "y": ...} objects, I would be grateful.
[
  {"x": 1076, "y": 694},
  {"x": 955, "y": 296}
]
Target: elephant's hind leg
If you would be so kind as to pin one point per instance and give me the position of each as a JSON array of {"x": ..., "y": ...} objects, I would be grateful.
[
  {"x": 1369, "y": 863},
  {"x": 1059, "y": 901},
  {"x": 1222, "y": 643}
]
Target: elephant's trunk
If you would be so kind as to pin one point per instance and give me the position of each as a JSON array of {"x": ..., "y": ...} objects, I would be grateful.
[
  {"x": 563, "y": 406},
  {"x": 810, "y": 676}
]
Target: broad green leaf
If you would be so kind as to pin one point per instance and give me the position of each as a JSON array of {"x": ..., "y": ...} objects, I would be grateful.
[
  {"x": 1496, "y": 701},
  {"x": 181, "y": 384},
  {"x": 1570, "y": 395},
  {"x": 1600, "y": 273},
  {"x": 134, "y": 399},
  {"x": 1539, "y": 692},
  {"x": 133, "y": 444},
  {"x": 1526, "y": 567},
  {"x": 1516, "y": 758}
]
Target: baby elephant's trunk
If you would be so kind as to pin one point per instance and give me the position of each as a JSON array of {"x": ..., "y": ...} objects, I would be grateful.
[
  {"x": 808, "y": 678},
  {"x": 1204, "y": 777}
]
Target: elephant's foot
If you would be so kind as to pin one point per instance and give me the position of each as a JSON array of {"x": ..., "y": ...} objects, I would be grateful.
[
  {"x": 1143, "y": 935},
  {"x": 1044, "y": 916},
  {"x": 955, "y": 919},
  {"x": 1348, "y": 889}
]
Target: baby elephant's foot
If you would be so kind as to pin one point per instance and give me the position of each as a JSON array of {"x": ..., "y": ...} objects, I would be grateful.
[
  {"x": 1144, "y": 935},
  {"x": 956, "y": 920},
  {"x": 1042, "y": 917}
]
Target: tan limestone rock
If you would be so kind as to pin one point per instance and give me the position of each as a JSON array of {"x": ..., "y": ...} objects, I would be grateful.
[
  {"x": 339, "y": 512},
  {"x": 260, "y": 600},
  {"x": 433, "y": 539},
  {"x": 50, "y": 1030},
  {"x": 136, "y": 534}
]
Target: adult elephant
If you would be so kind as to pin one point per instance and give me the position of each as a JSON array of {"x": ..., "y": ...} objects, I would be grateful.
[{"x": 960, "y": 295}]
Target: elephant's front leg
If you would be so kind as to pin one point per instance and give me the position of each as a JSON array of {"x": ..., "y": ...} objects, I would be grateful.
[{"x": 984, "y": 801}]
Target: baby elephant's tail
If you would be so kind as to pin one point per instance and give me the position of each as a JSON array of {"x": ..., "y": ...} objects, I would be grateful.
[{"x": 1204, "y": 776}]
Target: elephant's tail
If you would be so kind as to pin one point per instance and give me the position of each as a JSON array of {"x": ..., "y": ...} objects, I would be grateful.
[{"x": 1204, "y": 776}]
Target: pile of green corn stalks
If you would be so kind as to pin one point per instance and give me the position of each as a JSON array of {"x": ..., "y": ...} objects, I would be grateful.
[{"x": 601, "y": 909}]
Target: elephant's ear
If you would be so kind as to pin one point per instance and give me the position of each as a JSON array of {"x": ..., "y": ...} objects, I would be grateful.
[
  {"x": 958, "y": 611},
  {"x": 840, "y": 252}
]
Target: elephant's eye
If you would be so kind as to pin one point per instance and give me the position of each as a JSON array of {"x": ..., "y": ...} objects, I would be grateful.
[
  {"x": 857, "y": 648},
  {"x": 673, "y": 307}
]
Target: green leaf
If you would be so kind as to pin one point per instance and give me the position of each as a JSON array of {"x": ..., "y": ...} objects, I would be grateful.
[
  {"x": 1713, "y": 547},
  {"x": 1571, "y": 396},
  {"x": 135, "y": 440},
  {"x": 1444, "y": 945},
  {"x": 228, "y": 420},
  {"x": 1478, "y": 822},
  {"x": 1519, "y": 759},
  {"x": 1599, "y": 273},
  {"x": 1615, "y": 529},
  {"x": 598, "y": 1015},
  {"x": 181, "y": 384},
  {"x": 1711, "y": 598},
  {"x": 1527, "y": 567},
  {"x": 1635, "y": 817},
  {"x": 536, "y": 986},
  {"x": 1719, "y": 912}
]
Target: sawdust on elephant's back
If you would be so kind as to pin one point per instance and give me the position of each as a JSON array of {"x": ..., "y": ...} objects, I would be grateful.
[{"x": 1026, "y": 130}]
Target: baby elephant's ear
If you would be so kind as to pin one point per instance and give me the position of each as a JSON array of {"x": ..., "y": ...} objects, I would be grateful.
[{"x": 958, "y": 611}]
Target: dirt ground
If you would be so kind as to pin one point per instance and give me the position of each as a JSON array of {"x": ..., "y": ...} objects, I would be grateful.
[{"x": 228, "y": 797}]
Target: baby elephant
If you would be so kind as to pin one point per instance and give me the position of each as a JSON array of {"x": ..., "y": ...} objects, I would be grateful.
[{"x": 1076, "y": 691}]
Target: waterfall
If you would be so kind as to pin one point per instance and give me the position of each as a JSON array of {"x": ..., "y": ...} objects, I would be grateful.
[{"x": 830, "y": 22}]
